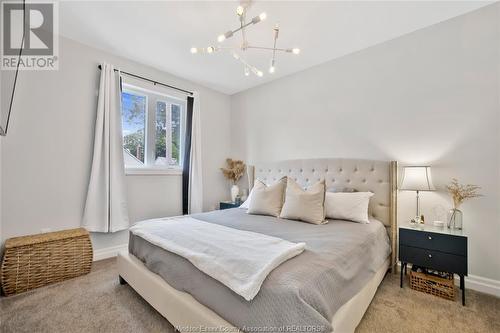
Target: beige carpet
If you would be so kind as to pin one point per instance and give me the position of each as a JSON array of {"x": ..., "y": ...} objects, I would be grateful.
[{"x": 98, "y": 303}]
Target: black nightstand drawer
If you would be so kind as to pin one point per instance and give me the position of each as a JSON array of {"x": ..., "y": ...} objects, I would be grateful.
[
  {"x": 433, "y": 241},
  {"x": 433, "y": 259}
]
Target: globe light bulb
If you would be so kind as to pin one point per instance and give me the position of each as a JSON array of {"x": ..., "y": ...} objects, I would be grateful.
[
  {"x": 210, "y": 49},
  {"x": 295, "y": 50},
  {"x": 260, "y": 74},
  {"x": 259, "y": 18},
  {"x": 194, "y": 50},
  {"x": 272, "y": 69},
  {"x": 240, "y": 10},
  {"x": 221, "y": 38}
]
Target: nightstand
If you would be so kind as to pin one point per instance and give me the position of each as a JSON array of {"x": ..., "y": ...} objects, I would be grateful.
[
  {"x": 441, "y": 249},
  {"x": 227, "y": 205}
]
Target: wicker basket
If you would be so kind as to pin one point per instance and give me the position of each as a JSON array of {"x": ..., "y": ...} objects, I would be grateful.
[
  {"x": 33, "y": 261},
  {"x": 434, "y": 285}
]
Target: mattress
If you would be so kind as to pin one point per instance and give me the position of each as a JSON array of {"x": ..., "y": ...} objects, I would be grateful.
[{"x": 301, "y": 294}]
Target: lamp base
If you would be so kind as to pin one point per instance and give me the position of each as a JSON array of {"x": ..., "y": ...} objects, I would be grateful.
[{"x": 417, "y": 220}]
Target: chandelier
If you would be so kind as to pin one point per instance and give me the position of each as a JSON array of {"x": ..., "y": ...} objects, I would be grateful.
[{"x": 241, "y": 12}]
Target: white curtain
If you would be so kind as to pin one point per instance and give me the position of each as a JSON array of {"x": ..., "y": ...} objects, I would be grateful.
[
  {"x": 195, "y": 167},
  {"x": 106, "y": 206}
]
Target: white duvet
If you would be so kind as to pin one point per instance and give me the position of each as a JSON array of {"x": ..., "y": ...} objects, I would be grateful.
[{"x": 239, "y": 259}]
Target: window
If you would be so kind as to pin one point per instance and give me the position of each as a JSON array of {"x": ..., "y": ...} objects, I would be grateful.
[
  {"x": 134, "y": 127},
  {"x": 153, "y": 129}
]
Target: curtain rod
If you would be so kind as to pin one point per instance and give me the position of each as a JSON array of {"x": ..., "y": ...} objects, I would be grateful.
[{"x": 152, "y": 81}]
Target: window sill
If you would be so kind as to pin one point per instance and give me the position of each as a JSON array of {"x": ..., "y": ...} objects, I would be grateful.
[{"x": 152, "y": 172}]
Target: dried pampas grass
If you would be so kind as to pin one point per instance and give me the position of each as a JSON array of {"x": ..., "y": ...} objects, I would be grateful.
[
  {"x": 234, "y": 170},
  {"x": 460, "y": 192}
]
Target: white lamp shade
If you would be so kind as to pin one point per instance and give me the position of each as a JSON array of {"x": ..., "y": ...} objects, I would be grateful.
[{"x": 417, "y": 178}]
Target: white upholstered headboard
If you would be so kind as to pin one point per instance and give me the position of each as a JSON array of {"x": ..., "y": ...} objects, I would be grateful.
[{"x": 379, "y": 177}]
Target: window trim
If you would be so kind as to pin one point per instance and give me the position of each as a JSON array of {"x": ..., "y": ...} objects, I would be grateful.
[
  {"x": 183, "y": 109},
  {"x": 149, "y": 167},
  {"x": 151, "y": 171}
]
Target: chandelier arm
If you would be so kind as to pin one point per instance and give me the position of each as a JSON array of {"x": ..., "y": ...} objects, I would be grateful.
[
  {"x": 274, "y": 47},
  {"x": 243, "y": 32},
  {"x": 255, "y": 20},
  {"x": 269, "y": 48},
  {"x": 243, "y": 26},
  {"x": 245, "y": 63},
  {"x": 254, "y": 69},
  {"x": 226, "y": 48}
]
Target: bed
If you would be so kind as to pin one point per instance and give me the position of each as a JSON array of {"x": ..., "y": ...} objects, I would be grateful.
[{"x": 327, "y": 287}]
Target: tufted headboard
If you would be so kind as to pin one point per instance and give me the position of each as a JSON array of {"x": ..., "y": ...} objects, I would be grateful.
[{"x": 379, "y": 177}]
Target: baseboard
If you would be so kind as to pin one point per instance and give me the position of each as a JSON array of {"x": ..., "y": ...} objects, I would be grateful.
[
  {"x": 477, "y": 283},
  {"x": 109, "y": 252},
  {"x": 481, "y": 284}
]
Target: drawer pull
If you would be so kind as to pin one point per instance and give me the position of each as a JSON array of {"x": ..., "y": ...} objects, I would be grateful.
[
  {"x": 430, "y": 255},
  {"x": 430, "y": 237}
]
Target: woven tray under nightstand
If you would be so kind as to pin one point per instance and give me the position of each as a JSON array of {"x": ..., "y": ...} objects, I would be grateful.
[
  {"x": 34, "y": 261},
  {"x": 434, "y": 285}
]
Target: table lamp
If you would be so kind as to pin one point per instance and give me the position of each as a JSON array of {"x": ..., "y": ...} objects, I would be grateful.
[{"x": 417, "y": 178}]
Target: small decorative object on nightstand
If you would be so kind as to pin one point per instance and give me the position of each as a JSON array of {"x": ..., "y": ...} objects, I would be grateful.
[
  {"x": 459, "y": 193},
  {"x": 227, "y": 205},
  {"x": 434, "y": 248}
]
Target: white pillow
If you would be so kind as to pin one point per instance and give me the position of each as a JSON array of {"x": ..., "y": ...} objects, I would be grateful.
[
  {"x": 267, "y": 200},
  {"x": 246, "y": 204},
  {"x": 304, "y": 205},
  {"x": 348, "y": 206}
]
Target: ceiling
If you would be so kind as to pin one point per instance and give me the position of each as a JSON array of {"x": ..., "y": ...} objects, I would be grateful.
[{"x": 161, "y": 33}]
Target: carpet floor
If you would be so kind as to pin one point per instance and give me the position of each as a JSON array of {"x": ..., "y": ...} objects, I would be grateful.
[{"x": 98, "y": 303}]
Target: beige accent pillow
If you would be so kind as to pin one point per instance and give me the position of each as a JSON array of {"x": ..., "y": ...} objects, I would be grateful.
[
  {"x": 304, "y": 205},
  {"x": 267, "y": 200},
  {"x": 348, "y": 206}
]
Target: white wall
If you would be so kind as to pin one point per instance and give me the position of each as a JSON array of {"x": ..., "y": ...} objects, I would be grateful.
[
  {"x": 428, "y": 97},
  {"x": 47, "y": 154}
]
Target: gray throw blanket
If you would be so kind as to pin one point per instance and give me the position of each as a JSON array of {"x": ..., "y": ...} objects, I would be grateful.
[{"x": 303, "y": 293}]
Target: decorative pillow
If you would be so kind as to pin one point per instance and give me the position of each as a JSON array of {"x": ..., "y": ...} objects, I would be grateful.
[
  {"x": 246, "y": 203},
  {"x": 267, "y": 200},
  {"x": 304, "y": 205},
  {"x": 348, "y": 206}
]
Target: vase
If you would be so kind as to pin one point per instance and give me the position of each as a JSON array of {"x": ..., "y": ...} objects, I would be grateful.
[
  {"x": 455, "y": 219},
  {"x": 235, "y": 191}
]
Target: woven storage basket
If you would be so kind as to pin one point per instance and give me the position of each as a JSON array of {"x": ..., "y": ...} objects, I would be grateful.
[
  {"x": 434, "y": 285},
  {"x": 38, "y": 260}
]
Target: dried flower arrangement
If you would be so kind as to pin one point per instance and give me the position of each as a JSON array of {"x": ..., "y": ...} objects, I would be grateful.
[
  {"x": 234, "y": 170},
  {"x": 460, "y": 192}
]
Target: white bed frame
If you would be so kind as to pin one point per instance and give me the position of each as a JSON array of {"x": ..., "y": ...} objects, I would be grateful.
[{"x": 188, "y": 315}]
